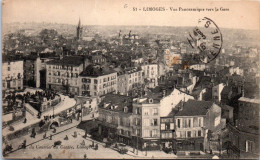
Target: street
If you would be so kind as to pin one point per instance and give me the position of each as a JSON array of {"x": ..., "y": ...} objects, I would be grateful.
[{"x": 73, "y": 147}]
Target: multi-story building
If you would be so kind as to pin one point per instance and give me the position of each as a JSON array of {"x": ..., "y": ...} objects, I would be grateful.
[
  {"x": 130, "y": 78},
  {"x": 146, "y": 124},
  {"x": 115, "y": 118},
  {"x": 169, "y": 106},
  {"x": 32, "y": 67},
  {"x": 86, "y": 106},
  {"x": 63, "y": 75},
  {"x": 97, "y": 58},
  {"x": 244, "y": 135},
  {"x": 96, "y": 81},
  {"x": 216, "y": 92},
  {"x": 193, "y": 121},
  {"x": 12, "y": 74},
  {"x": 150, "y": 73}
]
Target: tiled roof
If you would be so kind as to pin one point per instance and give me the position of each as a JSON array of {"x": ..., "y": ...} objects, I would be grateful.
[
  {"x": 68, "y": 60},
  {"x": 95, "y": 71},
  {"x": 195, "y": 108}
]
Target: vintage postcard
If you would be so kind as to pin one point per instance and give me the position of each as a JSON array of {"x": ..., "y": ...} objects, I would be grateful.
[{"x": 130, "y": 79}]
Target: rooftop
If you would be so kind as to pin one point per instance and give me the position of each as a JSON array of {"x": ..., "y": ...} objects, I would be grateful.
[
  {"x": 250, "y": 100},
  {"x": 116, "y": 103},
  {"x": 195, "y": 108},
  {"x": 95, "y": 71},
  {"x": 68, "y": 60}
]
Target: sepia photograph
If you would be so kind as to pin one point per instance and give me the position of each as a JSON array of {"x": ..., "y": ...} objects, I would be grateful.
[{"x": 130, "y": 79}]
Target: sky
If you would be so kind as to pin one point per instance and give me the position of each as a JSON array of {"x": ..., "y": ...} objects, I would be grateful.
[{"x": 241, "y": 14}]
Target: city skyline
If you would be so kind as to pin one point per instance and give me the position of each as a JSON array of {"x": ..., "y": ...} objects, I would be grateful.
[{"x": 121, "y": 13}]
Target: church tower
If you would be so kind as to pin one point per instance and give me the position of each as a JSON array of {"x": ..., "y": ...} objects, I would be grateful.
[{"x": 79, "y": 31}]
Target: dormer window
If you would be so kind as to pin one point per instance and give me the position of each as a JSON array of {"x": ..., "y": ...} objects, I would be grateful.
[{"x": 125, "y": 109}]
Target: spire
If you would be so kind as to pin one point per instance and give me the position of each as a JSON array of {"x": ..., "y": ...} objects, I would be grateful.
[{"x": 79, "y": 23}]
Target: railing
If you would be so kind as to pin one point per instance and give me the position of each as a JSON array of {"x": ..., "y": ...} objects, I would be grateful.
[{"x": 30, "y": 109}]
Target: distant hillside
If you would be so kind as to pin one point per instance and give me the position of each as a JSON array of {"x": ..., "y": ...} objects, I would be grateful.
[{"x": 234, "y": 36}]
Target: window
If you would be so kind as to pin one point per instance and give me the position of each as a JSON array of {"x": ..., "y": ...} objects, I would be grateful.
[
  {"x": 155, "y": 133},
  {"x": 167, "y": 126},
  {"x": 8, "y": 68},
  {"x": 189, "y": 123},
  {"x": 199, "y": 133},
  {"x": 146, "y": 122},
  {"x": 178, "y": 134},
  {"x": 217, "y": 121},
  {"x": 249, "y": 146},
  {"x": 179, "y": 123},
  {"x": 163, "y": 126},
  {"x": 171, "y": 126},
  {"x": 194, "y": 134},
  {"x": 183, "y": 134},
  {"x": 146, "y": 111},
  {"x": 125, "y": 109},
  {"x": 146, "y": 133},
  {"x": 189, "y": 134},
  {"x": 200, "y": 122},
  {"x": 154, "y": 122},
  {"x": 95, "y": 81},
  {"x": 163, "y": 135},
  {"x": 155, "y": 111}
]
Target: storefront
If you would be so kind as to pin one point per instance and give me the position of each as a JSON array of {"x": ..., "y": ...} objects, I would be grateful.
[
  {"x": 193, "y": 144},
  {"x": 166, "y": 143},
  {"x": 126, "y": 140},
  {"x": 146, "y": 144}
]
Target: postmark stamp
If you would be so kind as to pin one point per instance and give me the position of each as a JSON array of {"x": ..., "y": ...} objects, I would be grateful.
[{"x": 207, "y": 39}]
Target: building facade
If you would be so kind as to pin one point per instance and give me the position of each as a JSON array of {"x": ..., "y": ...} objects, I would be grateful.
[
  {"x": 129, "y": 79},
  {"x": 146, "y": 124},
  {"x": 150, "y": 73},
  {"x": 244, "y": 135},
  {"x": 12, "y": 75},
  {"x": 193, "y": 121},
  {"x": 32, "y": 67},
  {"x": 63, "y": 75},
  {"x": 97, "y": 81}
]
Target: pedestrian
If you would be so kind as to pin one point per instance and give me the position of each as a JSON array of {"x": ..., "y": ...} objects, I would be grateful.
[
  {"x": 50, "y": 137},
  {"x": 24, "y": 144},
  {"x": 49, "y": 156},
  {"x": 83, "y": 143},
  {"x": 93, "y": 144},
  {"x": 85, "y": 156},
  {"x": 66, "y": 138},
  {"x": 44, "y": 136},
  {"x": 25, "y": 120},
  {"x": 75, "y": 134},
  {"x": 86, "y": 134},
  {"x": 54, "y": 130},
  {"x": 96, "y": 147}
]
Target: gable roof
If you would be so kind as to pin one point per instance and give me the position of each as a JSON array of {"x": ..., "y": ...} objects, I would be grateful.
[{"x": 120, "y": 101}]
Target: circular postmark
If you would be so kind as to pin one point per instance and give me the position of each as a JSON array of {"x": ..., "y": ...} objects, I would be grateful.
[{"x": 207, "y": 39}]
